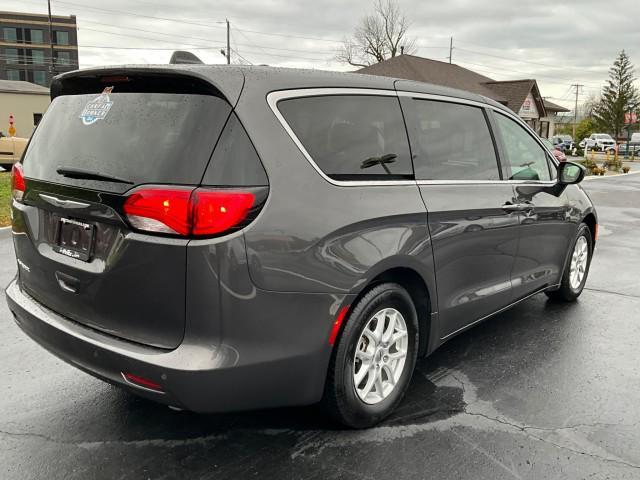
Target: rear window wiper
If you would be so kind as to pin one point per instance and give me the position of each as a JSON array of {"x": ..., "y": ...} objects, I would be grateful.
[
  {"x": 383, "y": 160},
  {"x": 80, "y": 173}
]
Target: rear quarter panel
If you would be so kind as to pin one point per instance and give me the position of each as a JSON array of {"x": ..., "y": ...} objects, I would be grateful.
[{"x": 313, "y": 236}]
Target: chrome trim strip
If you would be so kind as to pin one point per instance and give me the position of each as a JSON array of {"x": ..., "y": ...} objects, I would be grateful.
[
  {"x": 57, "y": 202},
  {"x": 484, "y": 182},
  {"x": 274, "y": 97}
]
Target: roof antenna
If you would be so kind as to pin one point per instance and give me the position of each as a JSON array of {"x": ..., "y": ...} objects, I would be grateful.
[{"x": 180, "y": 57}]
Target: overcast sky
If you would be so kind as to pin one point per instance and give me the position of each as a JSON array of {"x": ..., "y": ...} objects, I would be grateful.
[{"x": 554, "y": 41}]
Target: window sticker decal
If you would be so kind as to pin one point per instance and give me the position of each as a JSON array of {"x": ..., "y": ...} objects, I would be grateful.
[{"x": 97, "y": 108}]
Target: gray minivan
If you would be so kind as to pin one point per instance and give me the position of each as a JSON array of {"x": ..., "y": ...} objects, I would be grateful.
[{"x": 221, "y": 238}]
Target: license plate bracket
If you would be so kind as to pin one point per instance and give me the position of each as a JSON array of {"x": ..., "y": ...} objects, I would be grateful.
[{"x": 74, "y": 239}]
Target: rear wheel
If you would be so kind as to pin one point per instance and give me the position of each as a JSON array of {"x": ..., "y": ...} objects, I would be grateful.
[
  {"x": 575, "y": 273},
  {"x": 373, "y": 361}
]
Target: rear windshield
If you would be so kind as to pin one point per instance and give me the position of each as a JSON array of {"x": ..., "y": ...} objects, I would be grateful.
[{"x": 139, "y": 137}]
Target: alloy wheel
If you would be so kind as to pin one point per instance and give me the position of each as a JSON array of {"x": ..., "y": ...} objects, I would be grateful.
[
  {"x": 380, "y": 356},
  {"x": 579, "y": 261}
]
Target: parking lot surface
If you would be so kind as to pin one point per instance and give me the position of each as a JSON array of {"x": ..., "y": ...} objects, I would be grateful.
[{"x": 544, "y": 390}]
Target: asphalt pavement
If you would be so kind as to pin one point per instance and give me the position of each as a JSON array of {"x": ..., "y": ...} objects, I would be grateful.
[{"x": 545, "y": 390}]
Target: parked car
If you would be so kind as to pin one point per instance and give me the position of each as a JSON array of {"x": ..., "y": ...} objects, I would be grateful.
[
  {"x": 563, "y": 142},
  {"x": 633, "y": 149},
  {"x": 11, "y": 149},
  {"x": 187, "y": 240},
  {"x": 600, "y": 141},
  {"x": 555, "y": 150}
]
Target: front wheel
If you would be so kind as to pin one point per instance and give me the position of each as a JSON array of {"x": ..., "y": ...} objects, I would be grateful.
[
  {"x": 575, "y": 273},
  {"x": 374, "y": 359}
]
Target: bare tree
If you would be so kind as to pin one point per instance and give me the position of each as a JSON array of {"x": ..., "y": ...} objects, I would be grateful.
[{"x": 379, "y": 36}]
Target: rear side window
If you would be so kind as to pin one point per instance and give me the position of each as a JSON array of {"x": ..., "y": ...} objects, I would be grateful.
[
  {"x": 140, "y": 137},
  {"x": 526, "y": 158},
  {"x": 235, "y": 161},
  {"x": 452, "y": 142},
  {"x": 352, "y": 137}
]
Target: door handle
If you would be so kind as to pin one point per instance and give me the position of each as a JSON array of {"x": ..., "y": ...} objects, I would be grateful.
[
  {"x": 512, "y": 207},
  {"x": 518, "y": 207}
]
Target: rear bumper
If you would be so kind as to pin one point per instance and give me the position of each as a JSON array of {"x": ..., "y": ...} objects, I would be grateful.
[{"x": 193, "y": 376}]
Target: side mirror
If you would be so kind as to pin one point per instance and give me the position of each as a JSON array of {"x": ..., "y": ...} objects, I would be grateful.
[{"x": 570, "y": 173}]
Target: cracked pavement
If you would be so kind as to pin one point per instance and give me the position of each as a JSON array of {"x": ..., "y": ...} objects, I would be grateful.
[{"x": 544, "y": 390}]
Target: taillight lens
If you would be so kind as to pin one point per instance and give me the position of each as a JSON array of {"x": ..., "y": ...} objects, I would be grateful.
[
  {"x": 18, "y": 185},
  {"x": 160, "y": 210},
  {"x": 187, "y": 211},
  {"x": 217, "y": 211}
]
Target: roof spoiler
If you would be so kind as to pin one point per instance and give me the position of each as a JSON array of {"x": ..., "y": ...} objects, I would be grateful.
[{"x": 183, "y": 57}]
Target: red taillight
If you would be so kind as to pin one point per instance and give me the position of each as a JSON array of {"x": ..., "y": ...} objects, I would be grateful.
[
  {"x": 160, "y": 210},
  {"x": 142, "y": 382},
  {"x": 187, "y": 211},
  {"x": 18, "y": 185},
  {"x": 217, "y": 211}
]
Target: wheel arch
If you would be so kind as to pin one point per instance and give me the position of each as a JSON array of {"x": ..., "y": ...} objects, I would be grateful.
[
  {"x": 592, "y": 222},
  {"x": 418, "y": 288}
]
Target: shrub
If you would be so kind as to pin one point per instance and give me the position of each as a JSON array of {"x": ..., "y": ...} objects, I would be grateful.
[{"x": 626, "y": 169}]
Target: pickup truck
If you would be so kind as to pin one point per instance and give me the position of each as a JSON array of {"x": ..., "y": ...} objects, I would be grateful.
[{"x": 11, "y": 149}]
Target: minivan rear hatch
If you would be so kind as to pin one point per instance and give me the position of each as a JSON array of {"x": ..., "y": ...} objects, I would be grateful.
[{"x": 99, "y": 139}]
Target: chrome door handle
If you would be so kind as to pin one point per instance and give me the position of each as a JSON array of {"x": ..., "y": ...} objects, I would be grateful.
[
  {"x": 512, "y": 207},
  {"x": 517, "y": 207}
]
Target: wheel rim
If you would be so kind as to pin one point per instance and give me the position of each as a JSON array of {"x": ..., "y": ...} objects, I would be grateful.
[
  {"x": 579, "y": 261},
  {"x": 380, "y": 356}
]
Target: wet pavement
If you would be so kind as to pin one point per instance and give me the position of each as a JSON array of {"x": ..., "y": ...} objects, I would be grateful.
[{"x": 544, "y": 390}]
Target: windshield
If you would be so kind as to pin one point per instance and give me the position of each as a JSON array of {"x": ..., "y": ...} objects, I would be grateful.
[
  {"x": 604, "y": 136},
  {"x": 140, "y": 137}
]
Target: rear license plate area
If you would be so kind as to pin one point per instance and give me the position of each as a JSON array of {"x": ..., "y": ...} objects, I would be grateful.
[{"x": 74, "y": 239}]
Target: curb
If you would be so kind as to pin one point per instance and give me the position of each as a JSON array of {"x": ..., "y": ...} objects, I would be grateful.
[
  {"x": 5, "y": 232},
  {"x": 598, "y": 177}
]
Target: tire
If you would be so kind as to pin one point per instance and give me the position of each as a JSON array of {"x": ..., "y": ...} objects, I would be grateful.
[
  {"x": 569, "y": 290},
  {"x": 342, "y": 397}
]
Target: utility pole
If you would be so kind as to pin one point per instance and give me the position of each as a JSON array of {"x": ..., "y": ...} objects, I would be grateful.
[
  {"x": 450, "y": 49},
  {"x": 228, "y": 43},
  {"x": 52, "y": 68},
  {"x": 577, "y": 86}
]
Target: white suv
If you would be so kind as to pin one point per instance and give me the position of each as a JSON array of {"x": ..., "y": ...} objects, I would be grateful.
[{"x": 600, "y": 141}]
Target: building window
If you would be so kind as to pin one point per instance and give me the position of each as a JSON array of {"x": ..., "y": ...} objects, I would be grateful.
[
  {"x": 13, "y": 74},
  {"x": 36, "y": 119},
  {"x": 40, "y": 77},
  {"x": 37, "y": 57},
  {"x": 63, "y": 58},
  {"x": 11, "y": 55},
  {"x": 36, "y": 36},
  {"x": 10, "y": 34},
  {"x": 62, "y": 38}
]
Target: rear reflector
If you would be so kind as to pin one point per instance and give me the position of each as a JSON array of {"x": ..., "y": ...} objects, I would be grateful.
[
  {"x": 142, "y": 382},
  {"x": 337, "y": 324},
  {"x": 18, "y": 185},
  {"x": 187, "y": 211}
]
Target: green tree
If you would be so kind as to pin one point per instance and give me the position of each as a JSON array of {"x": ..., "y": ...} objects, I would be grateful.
[
  {"x": 618, "y": 97},
  {"x": 585, "y": 128}
]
